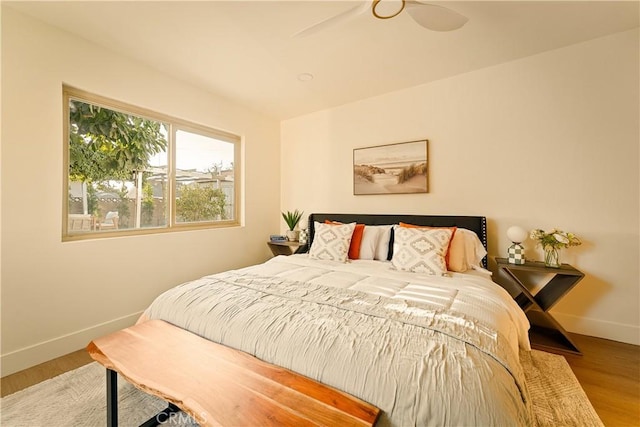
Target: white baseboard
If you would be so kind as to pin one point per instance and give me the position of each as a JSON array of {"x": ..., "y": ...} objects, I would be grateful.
[
  {"x": 621, "y": 332},
  {"x": 42, "y": 352}
]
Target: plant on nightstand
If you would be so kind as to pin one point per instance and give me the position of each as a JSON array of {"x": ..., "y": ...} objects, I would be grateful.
[
  {"x": 552, "y": 241},
  {"x": 292, "y": 219}
]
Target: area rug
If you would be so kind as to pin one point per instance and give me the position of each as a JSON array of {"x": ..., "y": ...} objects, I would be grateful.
[
  {"x": 556, "y": 395},
  {"x": 77, "y": 398}
]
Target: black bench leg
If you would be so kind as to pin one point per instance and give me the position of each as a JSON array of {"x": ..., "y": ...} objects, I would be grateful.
[
  {"x": 112, "y": 405},
  {"x": 112, "y": 398},
  {"x": 161, "y": 417}
]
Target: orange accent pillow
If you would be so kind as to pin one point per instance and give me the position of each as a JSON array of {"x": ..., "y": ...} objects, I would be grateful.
[
  {"x": 356, "y": 239},
  {"x": 453, "y": 233}
]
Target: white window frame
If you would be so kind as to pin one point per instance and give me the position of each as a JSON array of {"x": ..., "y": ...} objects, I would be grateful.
[{"x": 175, "y": 124}]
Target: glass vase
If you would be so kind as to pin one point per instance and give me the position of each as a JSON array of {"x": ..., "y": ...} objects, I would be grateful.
[{"x": 551, "y": 257}]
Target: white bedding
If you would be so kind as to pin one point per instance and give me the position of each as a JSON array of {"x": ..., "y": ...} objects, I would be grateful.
[
  {"x": 426, "y": 350},
  {"x": 471, "y": 293}
]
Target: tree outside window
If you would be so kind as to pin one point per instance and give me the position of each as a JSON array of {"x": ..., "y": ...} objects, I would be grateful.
[{"x": 119, "y": 166}]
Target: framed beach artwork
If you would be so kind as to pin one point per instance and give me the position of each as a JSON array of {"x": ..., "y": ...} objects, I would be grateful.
[{"x": 391, "y": 169}]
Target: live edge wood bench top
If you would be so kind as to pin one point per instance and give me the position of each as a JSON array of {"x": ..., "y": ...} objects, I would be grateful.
[{"x": 220, "y": 386}]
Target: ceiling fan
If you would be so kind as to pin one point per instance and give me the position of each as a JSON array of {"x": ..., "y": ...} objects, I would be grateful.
[{"x": 430, "y": 16}]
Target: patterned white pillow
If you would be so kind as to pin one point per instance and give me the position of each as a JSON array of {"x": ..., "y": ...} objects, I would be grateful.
[
  {"x": 331, "y": 241},
  {"x": 421, "y": 250}
]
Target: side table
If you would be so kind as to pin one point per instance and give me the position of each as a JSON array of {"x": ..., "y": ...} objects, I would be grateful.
[
  {"x": 283, "y": 248},
  {"x": 545, "y": 333}
]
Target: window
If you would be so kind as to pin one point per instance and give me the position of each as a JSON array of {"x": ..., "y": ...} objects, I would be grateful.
[{"x": 133, "y": 171}]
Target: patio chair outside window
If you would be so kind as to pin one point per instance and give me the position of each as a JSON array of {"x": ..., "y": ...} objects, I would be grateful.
[
  {"x": 80, "y": 222},
  {"x": 110, "y": 221}
]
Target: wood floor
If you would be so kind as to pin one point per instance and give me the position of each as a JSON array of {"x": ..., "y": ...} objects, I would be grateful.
[
  {"x": 23, "y": 379},
  {"x": 609, "y": 372}
]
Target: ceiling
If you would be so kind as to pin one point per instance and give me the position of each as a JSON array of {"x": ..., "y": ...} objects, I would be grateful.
[{"x": 245, "y": 50}]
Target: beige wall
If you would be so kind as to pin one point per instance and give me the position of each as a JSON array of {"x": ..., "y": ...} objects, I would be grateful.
[
  {"x": 547, "y": 141},
  {"x": 566, "y": 121},
  {"x": 57, "y": 296}
]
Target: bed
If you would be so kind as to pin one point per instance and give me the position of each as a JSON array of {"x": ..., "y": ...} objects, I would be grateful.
[{"x": 425, "y": 348}]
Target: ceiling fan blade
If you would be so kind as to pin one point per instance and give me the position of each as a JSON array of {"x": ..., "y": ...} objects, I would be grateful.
[
  {"x": 334, "y": 20},
  {"x": 436, "y": 18}
]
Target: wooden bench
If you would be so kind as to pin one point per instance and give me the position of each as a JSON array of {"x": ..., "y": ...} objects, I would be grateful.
[{"x": 217, "y": 385}]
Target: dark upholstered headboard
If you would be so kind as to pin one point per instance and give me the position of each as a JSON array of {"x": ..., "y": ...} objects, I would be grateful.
[{"x": 477, "y": 224}]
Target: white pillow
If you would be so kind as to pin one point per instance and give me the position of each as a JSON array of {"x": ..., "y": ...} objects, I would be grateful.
[
  {"x": 421, "y": 250},
  {"x": 466, "y": 251},
  {"x": 475, "y": 250},
  {"x": 331, "y": 241},
  {"x": 382, "y": 247},
  {"x": 369, "y": 242}
]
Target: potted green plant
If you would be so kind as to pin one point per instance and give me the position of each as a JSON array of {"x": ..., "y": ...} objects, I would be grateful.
[
  {"x": 292, "y": 219},
  {"x": 552, "y": 241}
]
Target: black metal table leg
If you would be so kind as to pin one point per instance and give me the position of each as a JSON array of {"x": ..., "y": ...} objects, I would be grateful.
[{"x": 112, "y": 398}]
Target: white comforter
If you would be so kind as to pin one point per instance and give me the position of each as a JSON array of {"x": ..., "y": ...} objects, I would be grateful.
[
  {"x": 426, "y": 350},
  {"x": 471, "y": 293}
]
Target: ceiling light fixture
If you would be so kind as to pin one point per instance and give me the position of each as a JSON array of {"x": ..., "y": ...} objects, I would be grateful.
[
  {"x": 387, "y": 9},
  {"x": 305, "y": 77},
  {"x": 429, "y": 16}
]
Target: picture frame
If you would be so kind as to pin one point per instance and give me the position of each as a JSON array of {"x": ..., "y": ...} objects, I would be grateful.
[{"x": 398, "y": 168}]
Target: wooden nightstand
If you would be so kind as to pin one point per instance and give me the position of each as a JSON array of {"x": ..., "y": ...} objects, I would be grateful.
[
  {"x": 283, "y": 248},
  {"x": 545, "y": 333}
]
